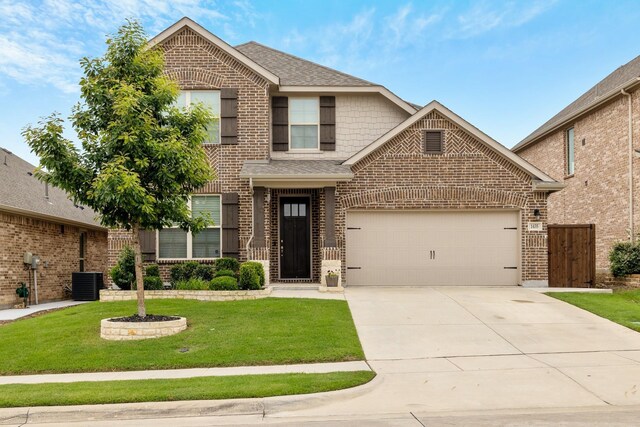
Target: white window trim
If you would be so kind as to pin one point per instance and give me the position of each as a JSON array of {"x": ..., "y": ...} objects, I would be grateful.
[
  {"x": 190, "y": 237},
  {"x": 187, "y": 104},
  {"x": 317, "y": 124}
]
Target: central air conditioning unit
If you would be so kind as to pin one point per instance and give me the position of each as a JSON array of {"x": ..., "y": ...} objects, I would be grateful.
[{"x": 86, "y": 286}]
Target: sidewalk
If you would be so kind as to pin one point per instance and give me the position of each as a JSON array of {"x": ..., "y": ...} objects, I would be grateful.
[
  {"x": 309, "y": 368},
  {"x": 17, "y": 313}
]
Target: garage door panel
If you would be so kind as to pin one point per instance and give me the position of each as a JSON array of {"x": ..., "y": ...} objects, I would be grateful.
[{"x": 433, "y": 248}]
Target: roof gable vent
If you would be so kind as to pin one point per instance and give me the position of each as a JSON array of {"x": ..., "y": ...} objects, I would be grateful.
[{"x": 433, "y": 141}]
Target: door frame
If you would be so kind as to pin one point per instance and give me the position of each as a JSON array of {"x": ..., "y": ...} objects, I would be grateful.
[
  {"x": 279, "y": 225},
  {"x": 519, "y": 211}
]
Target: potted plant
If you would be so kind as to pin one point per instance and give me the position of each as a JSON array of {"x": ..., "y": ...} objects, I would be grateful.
[{"x": 332, "y": 279}]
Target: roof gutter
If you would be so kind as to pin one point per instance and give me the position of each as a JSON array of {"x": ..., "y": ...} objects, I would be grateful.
[
  {"x": 605, "y": 98},
  {"x": 630, "y": 170}
]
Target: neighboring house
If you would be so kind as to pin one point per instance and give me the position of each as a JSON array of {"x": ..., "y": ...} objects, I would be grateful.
[
  {"x": 318, "y": 170},
  {"x": 589, "y": 146},
  {"x": 41, "y": 220}
]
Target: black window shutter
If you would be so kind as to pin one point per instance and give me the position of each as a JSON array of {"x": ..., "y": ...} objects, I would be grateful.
[
  {"x": 328, "y": 123},
  {"x": 228, "y": 116},
  {"x": 148, "y": 244},
  {"x": 280, "y": 123},
  {"x": 230, "y": 226},
  {"x": 433, "y": 141}
]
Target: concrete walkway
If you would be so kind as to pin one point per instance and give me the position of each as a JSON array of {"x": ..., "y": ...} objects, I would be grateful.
[
  {"x": 310, "y": 368},
  {"x": 17, "y": 313}
]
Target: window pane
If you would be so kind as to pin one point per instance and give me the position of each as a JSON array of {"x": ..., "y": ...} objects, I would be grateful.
[
  {"x": 173, "y": 243},
  {"x": 304, "y": 136},
  {"x": 303, "y": 209},
  {"x": 570, "y": 152},
  {"x": 287, "y": 209},
  {"x": 294, "y": 210},
  {"x": 206, "y": 244},
  {"x": 211, "y": 100},
  {"x": 303, "y": 110},
  {"x": 181, "y": 101},
  {"x": 204, "y": 204}
]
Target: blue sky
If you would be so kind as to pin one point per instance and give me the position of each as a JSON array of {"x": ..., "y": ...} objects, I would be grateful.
[{"x": 505, "y": 66}]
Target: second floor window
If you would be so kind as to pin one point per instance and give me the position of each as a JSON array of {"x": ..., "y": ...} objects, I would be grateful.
[
  {"x": 304, "y": 118},
  {"x": 211, "y": 100},
  {"x": 570, "y": 152}
]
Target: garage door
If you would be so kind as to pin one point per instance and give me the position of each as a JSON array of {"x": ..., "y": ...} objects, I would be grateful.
[{"x": 432, "y": 248}]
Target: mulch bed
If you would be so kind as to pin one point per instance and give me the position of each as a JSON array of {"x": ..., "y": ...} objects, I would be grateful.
[{"x": 147, "y": 318}]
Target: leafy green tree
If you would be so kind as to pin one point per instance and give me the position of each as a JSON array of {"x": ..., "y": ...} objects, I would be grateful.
[{"x": 141, "y": 157}]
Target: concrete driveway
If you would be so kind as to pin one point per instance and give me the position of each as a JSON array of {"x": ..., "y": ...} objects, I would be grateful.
[{"x": 468, "y": 349}]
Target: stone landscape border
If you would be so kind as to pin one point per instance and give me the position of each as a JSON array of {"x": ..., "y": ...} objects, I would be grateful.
[
  {"x": 108, "y": 295},
  {"x": 127, "y": 331}
]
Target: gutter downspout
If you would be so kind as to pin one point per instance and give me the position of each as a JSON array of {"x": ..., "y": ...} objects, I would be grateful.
[
  {"x": 252, "y": 219},
  {"x": 630, "y": 155}
]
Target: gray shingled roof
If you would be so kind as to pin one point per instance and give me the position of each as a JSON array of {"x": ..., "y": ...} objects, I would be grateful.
[
  {"x": 294, "y": 71},
  {"x": 20, "y": 190},
  {"x": 294, "y": 168},
  {"x": 611, "y": 84}
]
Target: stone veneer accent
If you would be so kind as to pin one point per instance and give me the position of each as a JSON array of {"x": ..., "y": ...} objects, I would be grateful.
[
  {"x": 129, "y": 331},
  {"x": 597, "y": 192},
  {"x": 57, "y": 249},
  {"x": 108, "y": 295},
  {"x": 360, "y": 120}
]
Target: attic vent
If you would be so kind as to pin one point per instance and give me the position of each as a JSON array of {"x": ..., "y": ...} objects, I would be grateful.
[{"x": 433, "y": 141}]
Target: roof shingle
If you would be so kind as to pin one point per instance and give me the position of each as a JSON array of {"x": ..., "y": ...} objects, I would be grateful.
[{"x": 294, "y": 168}]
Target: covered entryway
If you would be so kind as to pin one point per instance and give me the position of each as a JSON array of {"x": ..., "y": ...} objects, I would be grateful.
[{"x": 433, "y": 248}]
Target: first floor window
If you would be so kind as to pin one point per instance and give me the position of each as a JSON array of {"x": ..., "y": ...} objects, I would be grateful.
[
  {"x": 304, "y": 119},
  {"x": 211, "y": 100},
  {"x": 175, "y": 243}
]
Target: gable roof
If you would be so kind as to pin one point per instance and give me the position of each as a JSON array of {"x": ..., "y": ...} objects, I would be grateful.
[
  {"x": 206, "y": 34},
  {"x": 545, "y": 181},
  {"x": 23, "y": 193},
  {"x": 608, "y": 88}
]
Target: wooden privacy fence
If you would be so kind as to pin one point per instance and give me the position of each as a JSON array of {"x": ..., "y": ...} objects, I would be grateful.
[{"x": 572, "y": 255}]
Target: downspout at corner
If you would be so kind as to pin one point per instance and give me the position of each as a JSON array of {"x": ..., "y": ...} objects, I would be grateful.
[
  {"x": 630, "y": 172},
  {"x": 252, "y": 219}
]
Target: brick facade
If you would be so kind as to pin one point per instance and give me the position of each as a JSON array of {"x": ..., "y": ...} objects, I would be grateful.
[
  {"x": 598, "y": 191},
  {"x": 58, "y": 249}
]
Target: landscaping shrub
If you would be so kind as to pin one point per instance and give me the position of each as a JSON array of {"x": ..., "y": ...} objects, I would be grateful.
[
  {"x": 227, "y": 264},
  {"x": 190, "y": 270},
  {"x": 152, "y": 270},
  {"x": 258, "y": 268},
  {"x": 193, "y": 284},
  {"x": 227, "y": 273},
  {"x": 123, "y": 273},
  {"x": 205, "y": 271},
  {"x": 224, "y": 283},
  {"x": 624, "y": 259},
  {"x": 152, "y": 283},
  {"x": 249, "y": 278}
]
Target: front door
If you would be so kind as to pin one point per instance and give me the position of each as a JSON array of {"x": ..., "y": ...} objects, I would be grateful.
[{"x": 295, "y": 238}]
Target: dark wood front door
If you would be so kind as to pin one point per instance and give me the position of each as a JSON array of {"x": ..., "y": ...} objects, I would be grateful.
[
  {"x": 572, "y": 255},
  {"x": 295, "y": 238}
]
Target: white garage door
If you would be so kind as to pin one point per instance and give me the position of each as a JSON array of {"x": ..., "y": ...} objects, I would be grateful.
[{"x": 433, "y": 248}]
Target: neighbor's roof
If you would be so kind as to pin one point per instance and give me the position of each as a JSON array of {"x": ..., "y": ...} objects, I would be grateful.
[
  {"x": 295, "y": 169},
  {"x": 608, "y": 88},
  {"x": 294, "y": 71},
  {"x": 21, "y": 192}
]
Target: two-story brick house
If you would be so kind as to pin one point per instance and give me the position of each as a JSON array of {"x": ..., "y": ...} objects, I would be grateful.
[
  {"x": 590, "y": 147},
  {"x": 318, "y": 170}
]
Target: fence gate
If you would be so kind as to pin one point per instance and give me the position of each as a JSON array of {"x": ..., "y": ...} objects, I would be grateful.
[{"x": 572, "y": 255}]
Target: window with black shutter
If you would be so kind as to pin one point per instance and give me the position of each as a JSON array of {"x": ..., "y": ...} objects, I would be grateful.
[{"x": 433, "y": 141}]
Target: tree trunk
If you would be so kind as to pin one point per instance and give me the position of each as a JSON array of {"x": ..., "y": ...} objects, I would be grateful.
[{"x": 142, "y": 312}]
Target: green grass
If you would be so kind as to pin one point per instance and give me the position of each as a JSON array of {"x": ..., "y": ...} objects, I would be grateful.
[
  {"x": 622, "y": 307},
  {"x": 259, "y": 332},
  {"x": 204, "y": 388}
]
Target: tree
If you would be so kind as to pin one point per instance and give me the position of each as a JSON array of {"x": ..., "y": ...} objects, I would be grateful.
[{"x": 141, "y": 157}]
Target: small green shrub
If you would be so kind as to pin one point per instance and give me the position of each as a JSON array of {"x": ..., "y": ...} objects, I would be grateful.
[
  {"x": 153, "y": 283},
  {"x": 227, "y": 264},
  {"x": 205, "y": 272},
  {"x": 624, "y": 259},
  {"x": 227, "y": 273},
  {"x": 248, "y": 278},
  {"x": 258, "y": 268},
  {"x": 223, "y": 283},
  {"x": 193, "y": 284},
  {"x": 152, "y": 270},
  {"x": 123, "y": 273}
]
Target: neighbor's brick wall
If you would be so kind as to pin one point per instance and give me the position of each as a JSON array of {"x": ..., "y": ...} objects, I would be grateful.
[
  {"x": 60, "y": 251},
  {"x": 198, "y": 64},
  {"x": 597, "y": 193},
  {"x": 360, "y": 120},
  {"x": 468, "y": 175}
]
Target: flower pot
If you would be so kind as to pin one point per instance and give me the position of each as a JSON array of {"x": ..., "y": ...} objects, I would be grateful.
[{"x": 332, "y": 281}]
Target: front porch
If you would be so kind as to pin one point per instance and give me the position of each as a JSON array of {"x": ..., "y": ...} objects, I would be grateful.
[{"x": 293, "y": 220}]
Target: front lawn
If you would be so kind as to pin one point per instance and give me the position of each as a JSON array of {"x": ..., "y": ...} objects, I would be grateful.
[
  {"x": 203, "y": 388},
  {"x": 259, "y": 332},
  {"x": 622, "y": 307}
]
